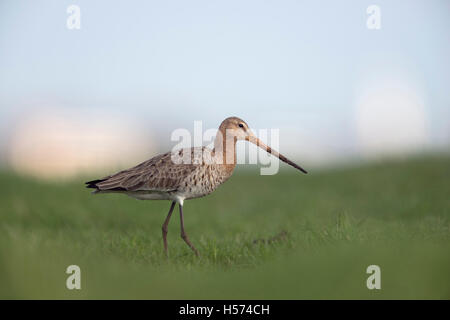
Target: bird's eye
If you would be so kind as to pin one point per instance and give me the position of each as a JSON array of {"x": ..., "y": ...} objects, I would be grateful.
[{"x": 241, "y": 125}]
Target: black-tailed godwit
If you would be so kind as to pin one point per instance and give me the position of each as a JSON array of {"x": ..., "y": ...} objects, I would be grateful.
[{"x": 162, "y": 178}]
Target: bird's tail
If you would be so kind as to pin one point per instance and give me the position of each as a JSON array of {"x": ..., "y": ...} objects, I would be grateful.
[{"x": 93, "y": 185}]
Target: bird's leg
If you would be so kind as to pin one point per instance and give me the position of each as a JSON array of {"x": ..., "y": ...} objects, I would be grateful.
[
  {"x": 164, "y": 227},
  {"x": 183, "y": 233}
]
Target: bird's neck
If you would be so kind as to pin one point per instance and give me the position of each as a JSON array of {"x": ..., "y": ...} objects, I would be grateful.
[{"x": 225, "y": 148}]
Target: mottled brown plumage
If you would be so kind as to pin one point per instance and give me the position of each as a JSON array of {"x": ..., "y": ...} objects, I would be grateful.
[
  {"x": 161, "y": 177},
  {"x": 184, "y": 174}
]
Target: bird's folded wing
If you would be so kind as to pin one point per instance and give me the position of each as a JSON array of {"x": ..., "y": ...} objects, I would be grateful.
[{"x": 157, "y": 174}]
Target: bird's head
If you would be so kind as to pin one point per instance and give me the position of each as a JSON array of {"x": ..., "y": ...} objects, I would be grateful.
[{"x": 238, "y": 129}]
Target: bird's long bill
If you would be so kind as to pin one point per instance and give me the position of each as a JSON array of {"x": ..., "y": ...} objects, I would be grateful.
[{"x": 269, "y": 150}]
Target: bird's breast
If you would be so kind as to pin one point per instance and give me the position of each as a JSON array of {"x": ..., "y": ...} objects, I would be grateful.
[{"x": 204, "y": 180}]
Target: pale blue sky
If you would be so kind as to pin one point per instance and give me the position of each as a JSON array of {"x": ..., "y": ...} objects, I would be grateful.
[{"x": 284, "y": 64}]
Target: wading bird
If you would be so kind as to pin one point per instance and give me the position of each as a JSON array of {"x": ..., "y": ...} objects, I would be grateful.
[{"x": 184, "y": 174}]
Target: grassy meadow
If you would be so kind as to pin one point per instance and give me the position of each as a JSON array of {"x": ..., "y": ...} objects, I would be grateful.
[{"x": 287, "y": 236}]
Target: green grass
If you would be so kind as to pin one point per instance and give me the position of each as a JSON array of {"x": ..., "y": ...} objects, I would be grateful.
[{"x": 321, "y": 231}]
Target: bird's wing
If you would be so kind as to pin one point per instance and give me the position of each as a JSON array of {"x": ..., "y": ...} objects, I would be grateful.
[{"x": 159, "y": 173}]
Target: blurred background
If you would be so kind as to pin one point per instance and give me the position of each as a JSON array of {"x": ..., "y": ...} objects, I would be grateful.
[
  {"x": 110, "y": 93},
  {"x": 365, "y": 111}
]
